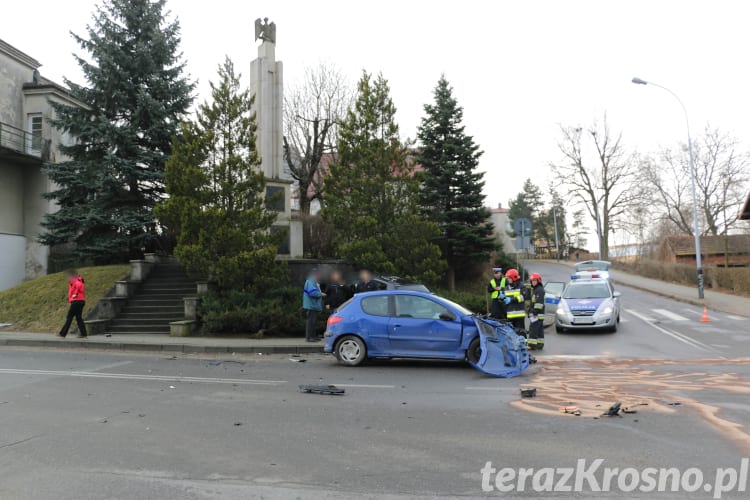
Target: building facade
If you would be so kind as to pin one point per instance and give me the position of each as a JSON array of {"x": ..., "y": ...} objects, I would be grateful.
[
  {"x": 27, "y": 141},
  {"x": 501, "y": 221}
]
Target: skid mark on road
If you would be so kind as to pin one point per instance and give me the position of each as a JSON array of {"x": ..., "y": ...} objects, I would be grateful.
[{"x": 646, "y": 385}]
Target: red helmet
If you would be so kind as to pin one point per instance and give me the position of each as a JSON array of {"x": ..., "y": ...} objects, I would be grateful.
[
  {"x": 535, "y": 276},
  {"x": 513, "y": 275}
]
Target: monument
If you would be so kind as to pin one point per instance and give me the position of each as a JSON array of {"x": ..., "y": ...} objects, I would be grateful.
[{"x": 267, "y": 85}]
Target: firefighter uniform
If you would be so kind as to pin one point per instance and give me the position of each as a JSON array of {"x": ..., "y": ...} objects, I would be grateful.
[
  {"x": 536, "y": 314},
  {"x": 516, "y": 312}
]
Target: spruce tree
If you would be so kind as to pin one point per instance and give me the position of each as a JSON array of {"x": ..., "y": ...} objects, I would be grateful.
[
  {"x": 134, "y": 97},
  {"x": 372, "y": 193},
  {"x": 216, "y": 206},
  {"x": 527, "y": 204}
]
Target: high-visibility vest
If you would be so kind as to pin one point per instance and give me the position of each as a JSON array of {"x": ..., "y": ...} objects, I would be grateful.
[
  {"x": 516, "y": 307},
  {"x": 493, "y": 284}
]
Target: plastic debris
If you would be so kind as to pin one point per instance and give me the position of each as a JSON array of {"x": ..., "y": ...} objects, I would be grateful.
[
  {"x": 329, "y": 390},
  {"x": 571, "y": 410},
  {"x": 528, "y": 392},
  {"x": 171, "y": 387},
  {"x": 296, "y": 360},
  {"x": 613, "y": 411}
]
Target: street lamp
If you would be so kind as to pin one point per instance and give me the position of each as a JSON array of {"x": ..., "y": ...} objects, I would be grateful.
[{"x": 696, "y": 224}]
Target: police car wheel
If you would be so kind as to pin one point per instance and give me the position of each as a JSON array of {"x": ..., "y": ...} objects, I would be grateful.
[
  {"x": 559, "y": 329},
  {"x": 474, "y": 352}
]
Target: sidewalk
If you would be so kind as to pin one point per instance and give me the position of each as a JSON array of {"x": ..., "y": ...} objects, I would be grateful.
[
  {"x": 718, "y": 301},
  {"x": 164, "y": 343}
]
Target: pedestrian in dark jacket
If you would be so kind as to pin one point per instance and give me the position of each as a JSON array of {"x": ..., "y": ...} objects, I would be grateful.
[
  {"x": 337, "y": 292},
  {"x": 366, "y": 283},
  {"x": 76, "y": 299},
  {"x": 312, "y": 303}
]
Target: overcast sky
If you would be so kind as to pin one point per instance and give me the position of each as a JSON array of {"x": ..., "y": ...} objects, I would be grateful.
[{"x": 518, "y": 68}]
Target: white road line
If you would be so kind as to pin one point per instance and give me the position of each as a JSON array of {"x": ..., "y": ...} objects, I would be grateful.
[
  {"x": 111, "y": 365},
  {"x": 736, "y": 318},
  {"x": 129, "y": 376},
  {"x": 495, "y": 389},
  {"x": 367, "y": 386},
  {"x": 670, "y": 315},
  {"x": 677, "y": 336}
]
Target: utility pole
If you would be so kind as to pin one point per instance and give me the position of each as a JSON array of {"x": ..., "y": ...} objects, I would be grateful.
[{"x": 557, "y": 243}]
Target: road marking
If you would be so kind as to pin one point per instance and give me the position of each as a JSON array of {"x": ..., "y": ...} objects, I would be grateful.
[
  {"x": 111, "y": 365},
  {"x": 736, "y": 318},
  {"x": 496, "y": 389},
  {"x": 670, "y": 315},
  {"x": 677, "y": 336},
  {"x": 367, "y": 386},
  {"x": 154, "y": 378}
]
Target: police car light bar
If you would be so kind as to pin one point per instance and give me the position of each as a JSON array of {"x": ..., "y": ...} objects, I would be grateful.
[{"x": 584, "y": 275}]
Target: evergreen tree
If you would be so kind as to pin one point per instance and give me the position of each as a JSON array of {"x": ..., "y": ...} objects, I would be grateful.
[
  {"x": 451, "y": 191},
  {"x": 215, "y": 186},
  {"x": 556, "y": 213},
  {"x": 371, "y": 192},
  {"x": 528, "y": 203},
  {"x": 134, "y": 98}
]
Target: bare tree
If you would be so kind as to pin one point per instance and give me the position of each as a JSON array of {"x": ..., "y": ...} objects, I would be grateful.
[
  {"x": 722, "y": 173},
  {"x": 600, "y": 174},
  {"x": 312, "y": 111}
]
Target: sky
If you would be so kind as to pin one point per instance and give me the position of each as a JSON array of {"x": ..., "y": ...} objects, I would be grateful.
[{"x": 520, "y": 69}]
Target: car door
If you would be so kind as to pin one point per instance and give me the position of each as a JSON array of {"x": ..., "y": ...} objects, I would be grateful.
[
  {"x": 373, "y": 325},
  {"x": 421, "y": 327},
  {"x": 552, "y": 294}
]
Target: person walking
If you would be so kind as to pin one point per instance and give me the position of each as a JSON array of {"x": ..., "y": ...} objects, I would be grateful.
[
  {"x": 536, "y": 313},
  {"x": 497, "y": 297},
  {"x": 76, "y": 299},
  {"x": 337, "y": 292},
  {"x": 312, "y": 303}
]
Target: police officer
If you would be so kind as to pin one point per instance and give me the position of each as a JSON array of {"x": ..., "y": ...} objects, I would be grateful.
[
  {"x": 516, "y": 312},
  {"x": 536, "y": 313},
  {"x": 497, "y": 297}
]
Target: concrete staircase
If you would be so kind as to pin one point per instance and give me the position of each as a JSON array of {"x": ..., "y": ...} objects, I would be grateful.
[{"x": 156, "y": 302}]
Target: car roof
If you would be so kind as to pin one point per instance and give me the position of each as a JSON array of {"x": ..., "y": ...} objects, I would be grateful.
[
  {"x": 396, "y": 292},
  {"x": 396, "y": 279}
]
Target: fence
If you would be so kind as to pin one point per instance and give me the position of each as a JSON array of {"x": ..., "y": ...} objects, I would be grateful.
[{"x": 21, "y": 141}]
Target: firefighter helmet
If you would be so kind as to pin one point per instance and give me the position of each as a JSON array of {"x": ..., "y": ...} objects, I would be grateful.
[
  {"x": 536, "y": 276},
  {"x": 513, "y": 275}
]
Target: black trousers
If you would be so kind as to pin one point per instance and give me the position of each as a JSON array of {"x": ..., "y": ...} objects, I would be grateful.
[
  {"x": 498, "y": 310},
  {"x": 75, "y": 311},
  {"x": 311, "y": 325}
]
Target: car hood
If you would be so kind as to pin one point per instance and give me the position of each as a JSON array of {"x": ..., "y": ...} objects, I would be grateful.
[
  {"x": 584, "y": 304},
  {"x": 504, "y": 352}
]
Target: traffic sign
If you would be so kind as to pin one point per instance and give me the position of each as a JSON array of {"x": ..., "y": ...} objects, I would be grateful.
[{"x": 522, "y": 226}]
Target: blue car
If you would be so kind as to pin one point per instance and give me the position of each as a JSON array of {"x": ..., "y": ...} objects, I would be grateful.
[{"x": 414, "y": 324}]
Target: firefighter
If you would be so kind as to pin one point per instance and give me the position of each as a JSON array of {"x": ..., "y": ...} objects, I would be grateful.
[
  {"x": 536, "y": 313},
  {"x": 495, "y": 289},
  {"x": 516, "y": 313}
]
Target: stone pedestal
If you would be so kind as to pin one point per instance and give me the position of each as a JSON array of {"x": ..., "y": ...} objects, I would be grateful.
[
  {"x": 124, "y": 289},
  {"x": 191, "y": 307},
  {"x": 139, "y": 270}
]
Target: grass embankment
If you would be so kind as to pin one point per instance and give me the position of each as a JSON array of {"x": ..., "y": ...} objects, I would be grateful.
[{"x": 40, "y": 305}]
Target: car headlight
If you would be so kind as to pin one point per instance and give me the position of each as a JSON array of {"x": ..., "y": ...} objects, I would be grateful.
[
  {"x": 607, "y": 310},
  {"x": 561, "y": 311}
]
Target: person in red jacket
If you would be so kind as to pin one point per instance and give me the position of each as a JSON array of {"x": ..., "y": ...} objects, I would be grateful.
[{"x": 76, "y": 299}]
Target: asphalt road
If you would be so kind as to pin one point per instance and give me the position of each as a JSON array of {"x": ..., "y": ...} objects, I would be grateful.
[{"x": 79, "y": 425}]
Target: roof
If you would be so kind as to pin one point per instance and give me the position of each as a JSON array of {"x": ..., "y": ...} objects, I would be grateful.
[
  {"x": 19, "y": 56},
  {"x": 745, "y": 213},
  {"x": 498, "y": 210},
  {"x": 685, "y": 245}
]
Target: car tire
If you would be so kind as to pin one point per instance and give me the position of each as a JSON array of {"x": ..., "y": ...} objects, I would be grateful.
[
  {"x": 559, "y": 329},
  {"x": 613, "y": 328},
  {"x": 474, "y": 352},
  {"x": 350, "y": 350}
]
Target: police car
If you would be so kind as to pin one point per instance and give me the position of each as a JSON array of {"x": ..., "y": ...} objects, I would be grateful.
[
  {"x": 599, "y": 267},
  {"x": 589, "y": 302}
]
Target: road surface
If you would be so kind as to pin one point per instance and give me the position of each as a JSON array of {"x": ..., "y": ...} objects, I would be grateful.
[{"x": 77, "y": 425}]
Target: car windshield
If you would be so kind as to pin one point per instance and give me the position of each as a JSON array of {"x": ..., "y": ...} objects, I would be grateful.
[
  {"x": 461, "y": 309},
  {"x": 593, "y": 265},
  {"x": 587, "y": 291}
]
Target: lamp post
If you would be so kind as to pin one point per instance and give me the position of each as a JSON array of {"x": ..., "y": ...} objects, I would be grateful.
[{"x": 696, "y": 224}]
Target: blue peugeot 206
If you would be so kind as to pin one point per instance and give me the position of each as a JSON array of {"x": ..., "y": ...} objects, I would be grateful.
[{"x": 414, "y": 324}]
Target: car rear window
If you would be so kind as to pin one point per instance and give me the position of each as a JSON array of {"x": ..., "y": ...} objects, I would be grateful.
[{"x": 375, "y": 306}]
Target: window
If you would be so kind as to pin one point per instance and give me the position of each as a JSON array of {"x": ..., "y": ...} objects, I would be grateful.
[
  {"x": 411, "y": 306},
  {"x": 275, "y": 198},
  {"x": 34, "y": 137},
  {"x": 376, "y": 306}
]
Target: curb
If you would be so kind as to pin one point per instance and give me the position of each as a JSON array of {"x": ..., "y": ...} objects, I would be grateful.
[{"x": 172, "y": 348}]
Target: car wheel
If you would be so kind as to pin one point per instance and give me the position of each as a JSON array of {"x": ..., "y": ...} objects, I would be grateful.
[
  {"x": 351, "y": 350},
  {"x": 613, "y": 329},
  {"x": 474, "y": 352},
  {"x": 559, "y": 329}
]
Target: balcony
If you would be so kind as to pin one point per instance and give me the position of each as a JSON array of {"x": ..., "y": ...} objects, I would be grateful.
[{"x": 16, "y": 140}]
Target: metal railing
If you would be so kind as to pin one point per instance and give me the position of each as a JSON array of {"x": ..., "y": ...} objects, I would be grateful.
[{"x": 19, "y": 140}]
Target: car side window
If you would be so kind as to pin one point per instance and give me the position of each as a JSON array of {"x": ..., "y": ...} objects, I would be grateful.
[
  {"x": 375, "y": 306},
  {"x": 411, "y": 306}
]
